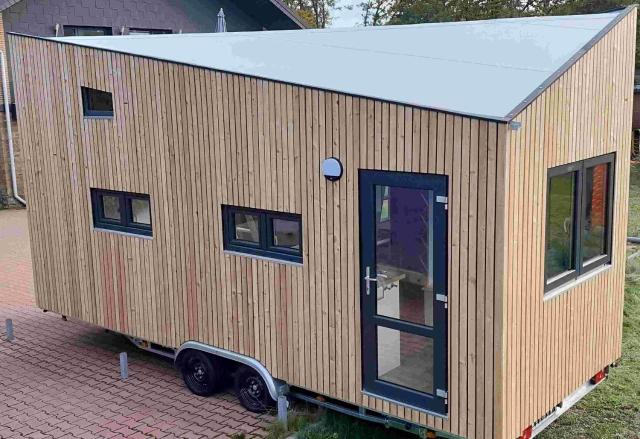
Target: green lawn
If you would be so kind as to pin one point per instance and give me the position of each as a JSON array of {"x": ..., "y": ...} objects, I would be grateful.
[{"x": 611, "y": 411}]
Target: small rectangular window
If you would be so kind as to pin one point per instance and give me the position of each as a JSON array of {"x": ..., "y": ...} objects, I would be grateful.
[
  {"x": 121, "y": 211},
  {"x": 264, "y": 233},
  {"x": 97, "y": 103},
  {"x": 579, "y": 210},
  {"x": 86, "y": 31}
]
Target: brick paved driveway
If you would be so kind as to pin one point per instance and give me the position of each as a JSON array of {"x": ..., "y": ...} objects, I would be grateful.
[{"x": 61, "y": 379}]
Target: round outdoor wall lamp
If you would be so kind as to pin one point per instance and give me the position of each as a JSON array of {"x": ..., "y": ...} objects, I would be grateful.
[{"x": 332, "y": 169}]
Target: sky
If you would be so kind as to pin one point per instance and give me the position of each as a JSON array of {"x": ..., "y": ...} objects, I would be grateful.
[{"x": 345, "y": 17}]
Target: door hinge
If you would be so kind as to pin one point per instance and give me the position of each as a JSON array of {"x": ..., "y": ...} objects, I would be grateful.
[
  {"x": 441, "y": 199},
  {"x": 442, "y": 298},
  {"x": 442, "y": 393}
]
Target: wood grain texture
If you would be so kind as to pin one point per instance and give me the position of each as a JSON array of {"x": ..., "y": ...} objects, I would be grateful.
[
  {"x": 552, "y": 347},
  {"x": 195, "y": 139}
]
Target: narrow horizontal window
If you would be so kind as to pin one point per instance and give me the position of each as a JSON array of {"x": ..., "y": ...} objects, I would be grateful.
[
  {"x": 578, "y": 225},
  {"x": 142, "y": 31},
  {"x": 86, "y": 31},
  {"x": 264, "y": 233},
  {"x": 121, "y": 211},
  {"x": 97, "y": 103}
]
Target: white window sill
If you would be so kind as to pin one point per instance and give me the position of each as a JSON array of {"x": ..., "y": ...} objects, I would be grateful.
[{"x": 574, "y": 283}]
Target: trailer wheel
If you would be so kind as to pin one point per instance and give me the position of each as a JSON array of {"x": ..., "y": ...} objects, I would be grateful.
[
  {"x": 201, "y": 373},
  {"x": 251, "y": 390}
]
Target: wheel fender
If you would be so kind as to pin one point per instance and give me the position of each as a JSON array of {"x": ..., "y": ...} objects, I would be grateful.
[{"x": 233, "y": 356}]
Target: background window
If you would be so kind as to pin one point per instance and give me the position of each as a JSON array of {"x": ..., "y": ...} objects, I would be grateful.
[
  {"x": 141, "y": 31},
  {"x": 560, "y": 224},
  {"x": 579, "y": 209},
  {"x": 97, "y": 102},
  {"x": 275, "y": 235},
  {"x": 121, "y": 211},
  {"x": 86, "y": 31}
]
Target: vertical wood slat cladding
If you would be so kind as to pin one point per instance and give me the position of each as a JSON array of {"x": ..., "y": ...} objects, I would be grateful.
[
  {"x": 552, "y": 347},
  {"x": 195, "y": 139}
]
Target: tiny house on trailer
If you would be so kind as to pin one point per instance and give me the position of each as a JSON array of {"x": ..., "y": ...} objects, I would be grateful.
[{"x": 421, "y": 224}]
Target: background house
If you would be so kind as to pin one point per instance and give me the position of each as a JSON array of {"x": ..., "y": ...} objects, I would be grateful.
[{"x": 122, "y": 17}]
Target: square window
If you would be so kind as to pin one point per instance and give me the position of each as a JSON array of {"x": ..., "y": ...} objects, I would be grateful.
[
  {"x": 111, "y": 207},
  {"x": 140, "y": 211},
  {"x": 247, "y": 227},
  {"x": 286, "y": 233},
  {"x": 97, "y": 103}
]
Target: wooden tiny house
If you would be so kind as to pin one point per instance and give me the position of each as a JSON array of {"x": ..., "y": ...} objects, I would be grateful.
[{"x": 432, "y": 232}]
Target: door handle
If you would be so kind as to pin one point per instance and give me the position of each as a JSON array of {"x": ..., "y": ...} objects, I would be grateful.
[{"x": 368, "y": 279}]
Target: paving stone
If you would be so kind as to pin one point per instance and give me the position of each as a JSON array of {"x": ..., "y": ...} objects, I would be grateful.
[{"x": 60, "y": 379}]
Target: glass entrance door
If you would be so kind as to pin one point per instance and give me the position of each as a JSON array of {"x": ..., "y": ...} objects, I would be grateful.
[{"x": 403, "y": 223}]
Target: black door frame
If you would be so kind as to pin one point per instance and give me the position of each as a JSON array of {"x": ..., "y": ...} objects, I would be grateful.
[{"x": 435, "y": 403}]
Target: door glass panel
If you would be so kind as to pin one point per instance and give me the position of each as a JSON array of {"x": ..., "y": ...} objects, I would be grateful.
[
  {"x": 560, "y": 219},
  {"x": 405, "y": 359},
  {"x": 404, "y": 254},
  {"x": 595, "y": 221}
]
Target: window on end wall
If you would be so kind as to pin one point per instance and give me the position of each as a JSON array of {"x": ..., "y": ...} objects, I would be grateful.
[
  {"x": 121, "y": 211},
  {"x": 579, "y": 219},
  {"x": 263, "y": 233},
  {"x": 96, "y": 103},
  {"x": 86, "y": 31}
]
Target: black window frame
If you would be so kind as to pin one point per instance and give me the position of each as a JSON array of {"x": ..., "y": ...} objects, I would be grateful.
[
  {"x": 579, "y": 213},
  {"x": 108, "y": 31},
  {"x": 265, "y": 248},
  {"x": 90, "y": 113},
  {"x": 126, "y": 223}
]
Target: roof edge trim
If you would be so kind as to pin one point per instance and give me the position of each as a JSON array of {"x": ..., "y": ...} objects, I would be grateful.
[
  {"x": 570, "y": 62},
  {"x": 487, "y": 117}
]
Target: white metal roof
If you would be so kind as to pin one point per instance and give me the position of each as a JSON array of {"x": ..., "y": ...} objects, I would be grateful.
[{"x": 480, "y": 68}]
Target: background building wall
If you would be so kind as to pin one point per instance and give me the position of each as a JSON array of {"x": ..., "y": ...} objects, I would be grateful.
[{"x": 39, "y": 17}]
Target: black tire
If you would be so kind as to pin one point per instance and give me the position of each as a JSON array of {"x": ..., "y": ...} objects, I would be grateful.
[
  {"x": 251, "y": 390},
  {"x": 201, "y": 373}
]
